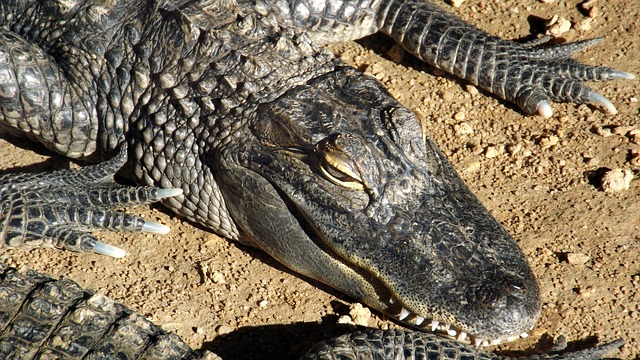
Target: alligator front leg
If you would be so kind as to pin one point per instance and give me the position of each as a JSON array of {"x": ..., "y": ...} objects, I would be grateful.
[
  {"x": 57, "y": 209},
  {"x": 531, "y": 75}
]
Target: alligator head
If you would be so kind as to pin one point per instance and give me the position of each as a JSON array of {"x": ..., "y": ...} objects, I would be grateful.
[{"x": 339, "y": 182}]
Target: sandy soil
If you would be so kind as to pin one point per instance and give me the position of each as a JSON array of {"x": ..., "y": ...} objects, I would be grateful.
[{"x": 540, "y": 178}]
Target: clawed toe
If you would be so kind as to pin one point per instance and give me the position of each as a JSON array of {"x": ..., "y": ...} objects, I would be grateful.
[{"x": 598, "y": 100}]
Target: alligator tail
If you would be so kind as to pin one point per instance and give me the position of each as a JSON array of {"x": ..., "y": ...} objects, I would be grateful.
[
  {"x": 401, "y": 344},
  {"x": 41, "y": 317}
]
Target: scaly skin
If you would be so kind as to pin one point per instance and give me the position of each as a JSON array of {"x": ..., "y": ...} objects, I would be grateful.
[
  {"x": 44, "y": 317},
  {"x": 272, "y": 141}
]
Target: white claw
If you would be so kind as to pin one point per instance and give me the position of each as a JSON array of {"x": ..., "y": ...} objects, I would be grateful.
[
  {"x": 403, "y": 314},
  {"x": 624, "y": 75},
  {"x": 462, "y": 336},
  {"x": 544, "y": 109},
  {"x": 165, "y": 193},
  {"x": 603, "y": 101},
  {"x": 109, "y": 250},
  {"x": 419, "y": 320},
  {"x": 155, "y": 228},
  {"x": 434, "y": 325}
]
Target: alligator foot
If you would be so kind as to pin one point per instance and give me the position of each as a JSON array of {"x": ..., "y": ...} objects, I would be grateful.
[
  {"x": 530, "y": 75},
  {"x": 57, "y": 209}
]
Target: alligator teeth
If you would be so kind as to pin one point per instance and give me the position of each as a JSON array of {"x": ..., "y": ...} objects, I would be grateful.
[
  {"x": 434, "y": 325},
  {"x": 403, "y": 314},
  {"x": 524, "y": 335},
  {"x": 462, "y": 336},
  {"x": 452, "y": 332},
  {"x": 512, "y": 338},
  {"x": 419, "y": 320},
  {"x": 496, "y": 342},
  {"x": 478, "y": 342},
  {"x": 485, "y": 342},
  {"x": 445, "y": 327}
]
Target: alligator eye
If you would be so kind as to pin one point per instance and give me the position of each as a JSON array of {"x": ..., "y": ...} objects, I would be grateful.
[{"x": 340, "y": 171}]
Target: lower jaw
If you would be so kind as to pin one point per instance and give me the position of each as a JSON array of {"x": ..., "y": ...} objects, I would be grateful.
[{"x": 447, "y": 330}]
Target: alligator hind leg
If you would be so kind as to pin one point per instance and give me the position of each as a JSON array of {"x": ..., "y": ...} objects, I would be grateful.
[
  {"x": 530, "y": 75},
  {"x": 57, "y": 209}
]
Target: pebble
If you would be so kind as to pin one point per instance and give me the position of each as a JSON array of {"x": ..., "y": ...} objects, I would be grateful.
[
  {"x": 223, "y": 330},
  {"x": 577, "y": 258},
  {"x": 584, "y": 24},
  {"x": 634, "y": 136},
  {"x": 397, "y": 53},
  {"x": 463, "y": 129},
  {"x": 345, "y": 320},
  {"x": 359, "y": 314},
  {"x": 603, "y": 131},
  {"x": 472, "y": 90},
  {"x": 491, "y": 152},
  {"x": 549, "y": 141},
  {"x": 558, "y": 26},
  {"x": 616, "y": 180},
  {"x": 635, "y": 158},
  {"x": 591, "y": 8}
]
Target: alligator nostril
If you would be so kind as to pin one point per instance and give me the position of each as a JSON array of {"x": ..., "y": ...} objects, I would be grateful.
[{"x": 491, "y": 293}]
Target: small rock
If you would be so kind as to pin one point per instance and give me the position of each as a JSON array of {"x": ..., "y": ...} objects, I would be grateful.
[
  {"x": 459, "y": 116},
  {"x": 463, "y": 129},
  {"x": 591, "y": 8},
  {"x": 549, "y": 141},
  {"x": 584, "y": 24},
  {"x": 635, "y": 158},
  {"x": 472, "y": 167},
  {"x": 491, "y": 152},
  {"x": 622, "y": 130},
  {"x": 602, "y": 131},
  {"x": 634, "y": 136},
  {"x": 218, "y": 278},
  {"x": 360, "y": 314},
  {"x": 263, "y": 303},
  {"x": 577, "y": 258},
  {"x": 547, "y": 1},
  {"x": 345, "y": 320},
  {"x": 223, "y": 330},
  {"x": 472, "y": 90},
  {"x": 397, "y": 53},
  {"x": 616, "y": 180},
  {"x": 558, "y": 26}
]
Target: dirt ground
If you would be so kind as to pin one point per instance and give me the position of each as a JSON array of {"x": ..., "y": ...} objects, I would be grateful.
[{"x": 540, "y": 178}]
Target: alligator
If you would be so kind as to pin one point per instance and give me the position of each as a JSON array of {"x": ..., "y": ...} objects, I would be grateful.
[{"x": 233, "y": 115}]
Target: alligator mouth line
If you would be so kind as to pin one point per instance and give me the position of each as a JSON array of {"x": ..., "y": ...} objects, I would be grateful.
[
  {"x": 444, "y": 329},
  {"x": 384, "y": 293}
]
